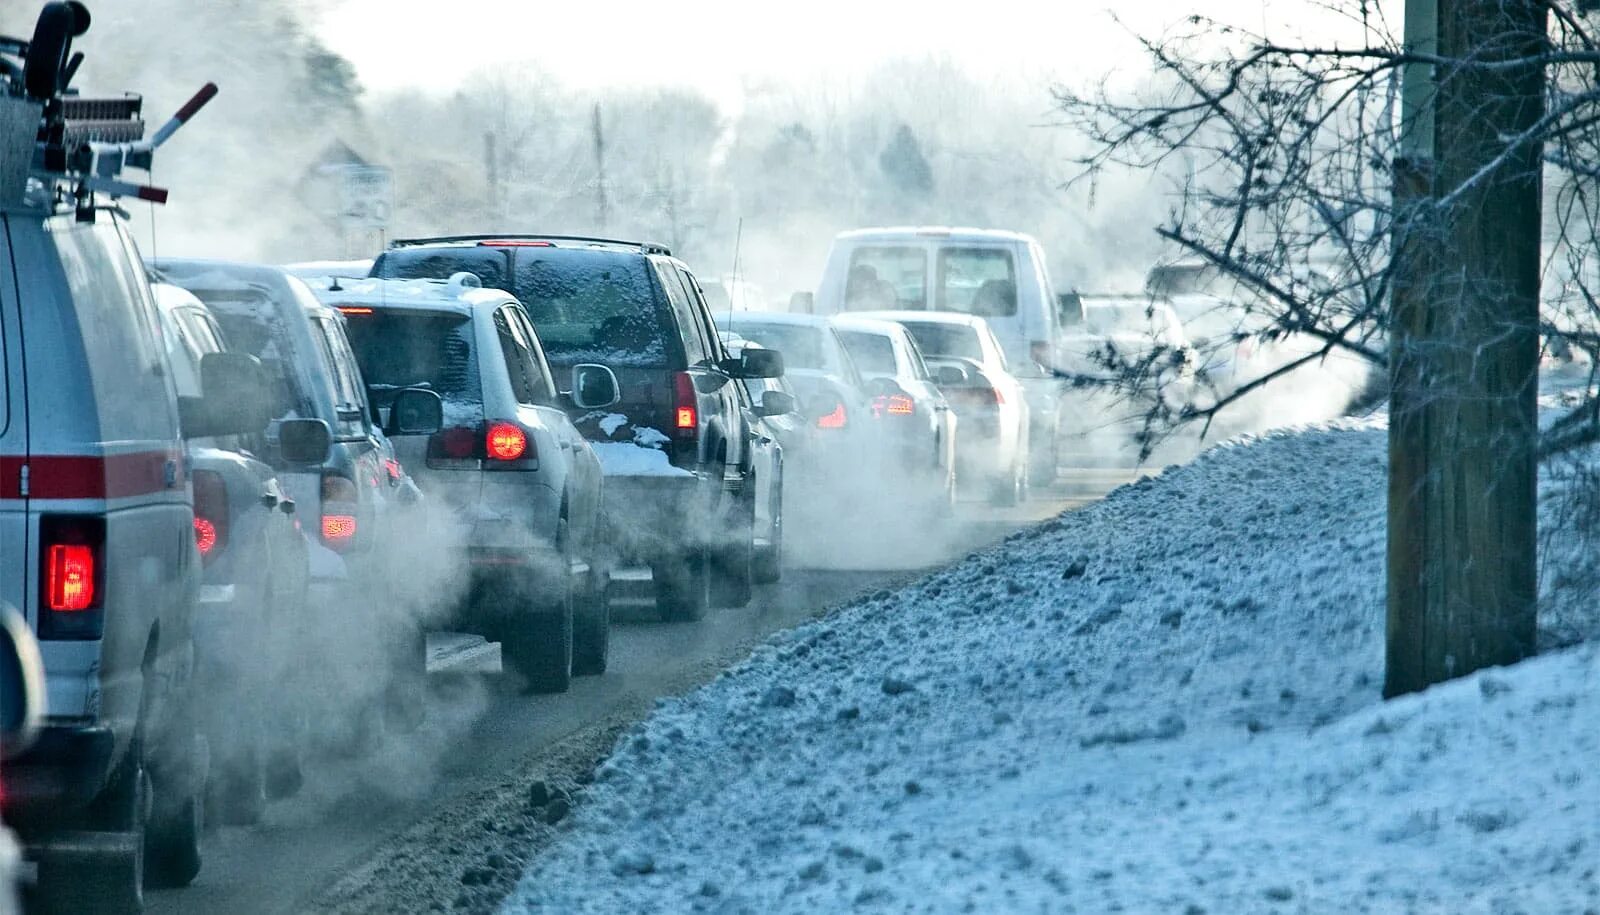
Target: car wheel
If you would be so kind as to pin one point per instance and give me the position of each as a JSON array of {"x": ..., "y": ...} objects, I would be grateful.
[
  {"x": 284, "y": 775},
  {"x": 734, "y": 566},
  {"x": 177, "y": 815},
  {"x": 236, "y": 793},
  {"x": 591, "y": 633},
  {"x": 539, "y": 648},
  {"x": 683, "y": 586}
]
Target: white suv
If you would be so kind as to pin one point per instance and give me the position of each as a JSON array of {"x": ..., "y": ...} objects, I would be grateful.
[{"x": 523, "y": 483}]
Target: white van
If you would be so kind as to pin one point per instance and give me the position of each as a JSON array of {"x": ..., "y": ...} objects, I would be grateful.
[
  {"x": 997, "y": 275},
  {"x": 97, "y": 535}
]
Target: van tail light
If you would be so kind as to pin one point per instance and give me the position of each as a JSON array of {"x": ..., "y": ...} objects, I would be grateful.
[
  {"x": 495, "y": 445},
  {"x": 210, "y": 513},
  {"x": 835, "y": 419},
  {"x": 339, "y": 500},
  {"x": 893, "y": 405},
  {"x": 72, "y": 580},
  {"x": 685, "y": 409}
]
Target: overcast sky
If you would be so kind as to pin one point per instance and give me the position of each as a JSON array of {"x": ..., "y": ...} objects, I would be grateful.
[{"x": 717, "y": 45}]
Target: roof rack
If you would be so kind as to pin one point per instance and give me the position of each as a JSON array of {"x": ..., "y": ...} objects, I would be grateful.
[{"x": 644, "y": 247}]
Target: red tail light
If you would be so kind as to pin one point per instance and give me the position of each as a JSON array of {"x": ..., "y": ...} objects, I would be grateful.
[
  {"x": 72, "y": 580},
  {"x": 505, "y": 442},
  {"x": 339, "y": 499},
  {"x": 354, "y": 310},
  {"x": 70, "y": 577},
  {"x": 834, "y": 420},
  {"x": 893, "y": 405},
  {"x": 210, "y": 513},
  {"x": 685, "y": 400},
  {"x": 456, "y": 443},
  {"x": 514, "y": 243}
]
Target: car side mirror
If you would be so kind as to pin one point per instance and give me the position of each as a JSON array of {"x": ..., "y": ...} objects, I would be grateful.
[
  {"x": 415, "y": 411},
  {"x": 757, "y": 363},
  {"x": 594, "y": 387},
  {"x": 304, "y": 441},
  {"x": 234, "y": 397},
  {"x": 22, "y": 695},
  {"x": 777, "y": 403},
  {"x": 803, "y": 303},
  {"x": 951, "y": 376}
]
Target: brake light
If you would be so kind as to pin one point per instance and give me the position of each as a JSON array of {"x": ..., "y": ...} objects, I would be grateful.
[
  {"x": 354, "y": 310},
  {"x": 69, "y": 581},
  {"x": 457, "y": 442},
  {"x": 514, "y": 243},
  {"x": 505, "y": 442},
  {"x": 339, "y": 499},
  {"x": 893, "y": 405},
  {"x": 393, "y": 468},
  {"x": 210, "y": 513},
  {"x": 685, "y": 411},
  {"x": 834, "y": 420}
]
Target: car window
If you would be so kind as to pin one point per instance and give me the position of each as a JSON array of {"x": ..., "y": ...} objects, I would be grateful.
[
  {"x": 887, "y": 278},
  {"x": 183, "y": 355},
  {"x": 913, "y": 358},
  {"x": 997, "y": 353},
  {"x": 871, "y": 352},
  {"x": 847, "y": 365},
  {"x": 959, "y": 340},
  {"x": 695, "y": 347},
  {"x": 702, "y": 312},
  {"x": 977, "y": 281},
  {"x": 800, "y": 344},
  {"x": 594, "y": 306},
  {"x": 526, "y": 382},
  {"x": 403, "y": 349},
  {"x": 545, "y": 392},
  {"x": 201, "y": 331},
  {"x": 348, "y": 399}
]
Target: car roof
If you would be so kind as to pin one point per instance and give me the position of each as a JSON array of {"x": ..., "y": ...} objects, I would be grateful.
[
  {"x": 415, "y": 295},
  {"x": 515, "y": 240},
  {"x": 221, "y": 275},
  {"x": 929, "y": 233},
  {"x": 923, "y": 317},
  {"x": 868, "y": 325}
]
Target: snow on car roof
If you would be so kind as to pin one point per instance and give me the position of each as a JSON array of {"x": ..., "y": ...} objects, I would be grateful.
[
  {"x": 924, "y": 233},
  {"x": 432, "y": 295}
]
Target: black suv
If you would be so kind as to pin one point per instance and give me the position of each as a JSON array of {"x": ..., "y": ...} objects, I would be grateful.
[{"x": 680, "y": 481}]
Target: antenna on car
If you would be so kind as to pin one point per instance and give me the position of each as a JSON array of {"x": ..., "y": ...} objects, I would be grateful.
[
  {"x": 738, "y": 237},
  {"x": 72, "y": 146}
]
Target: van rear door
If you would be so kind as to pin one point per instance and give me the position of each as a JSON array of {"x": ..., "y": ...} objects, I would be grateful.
[{"x": 14, "y": 567}]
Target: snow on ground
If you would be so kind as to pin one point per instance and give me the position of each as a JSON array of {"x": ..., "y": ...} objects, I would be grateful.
[{"x": 1166, "y": 702}]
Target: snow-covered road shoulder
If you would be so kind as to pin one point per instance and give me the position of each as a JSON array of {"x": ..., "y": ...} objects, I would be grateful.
[{"x": 1167, "y": 701}]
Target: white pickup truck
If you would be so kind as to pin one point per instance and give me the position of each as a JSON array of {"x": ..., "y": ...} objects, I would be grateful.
[{"x": 997, "y": 275}]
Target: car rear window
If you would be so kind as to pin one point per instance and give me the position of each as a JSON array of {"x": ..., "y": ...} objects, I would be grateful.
[
  {"x": 977, "y": 281},
  {"x": 398, "y": 350},
  {"x": 870, "y": 352},
  {"x": 594, "y": 306},
  {"x": 800, "y": 345},
  {"x": 957, "y": 340},
  {"x": 887, "y": 278}
]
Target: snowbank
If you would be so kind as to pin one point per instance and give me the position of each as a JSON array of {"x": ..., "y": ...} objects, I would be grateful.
[
  {"x": 1168, "y": 701},
  {"x": 624, "y": 459}
]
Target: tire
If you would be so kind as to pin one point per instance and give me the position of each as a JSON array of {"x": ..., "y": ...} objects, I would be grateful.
[
  {"x": 591, "y": 629},
  {"x": 283, "y": 774},
  {"x": 177, "y": 818},
  {"x": 733, "y": 573},
  {"x": 236, "y": 793},
  {"x": 767, "y": 565},
  {"x": 683, "y": 587},
  {"x": 539, "y": 649}
]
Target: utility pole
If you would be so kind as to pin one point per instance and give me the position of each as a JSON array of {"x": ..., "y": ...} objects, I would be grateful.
[
  {"x": 1463, "y": 428},
  {"x": 602, "y": 206},
  {"x": 491, "y": 164}
]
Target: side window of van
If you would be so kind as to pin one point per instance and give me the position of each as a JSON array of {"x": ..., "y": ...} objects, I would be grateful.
[
  {"x": 118, "y": 327},
  {"x": 887, "y": 278}
]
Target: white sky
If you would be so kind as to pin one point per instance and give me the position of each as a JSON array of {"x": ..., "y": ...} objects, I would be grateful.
[{"x": 716, "y": 45}]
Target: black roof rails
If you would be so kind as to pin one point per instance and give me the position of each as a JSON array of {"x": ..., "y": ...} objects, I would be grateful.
[{"x": 644, "y": 247}]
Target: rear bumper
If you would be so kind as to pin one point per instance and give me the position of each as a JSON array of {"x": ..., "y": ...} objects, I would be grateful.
[{"x": 62, "y": 772}]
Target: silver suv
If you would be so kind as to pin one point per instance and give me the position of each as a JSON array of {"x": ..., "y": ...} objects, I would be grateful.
[{"x": 523, "y": 483}]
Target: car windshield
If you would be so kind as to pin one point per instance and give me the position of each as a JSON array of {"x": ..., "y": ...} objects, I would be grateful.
[
  {"x": 959, "y": 340},
  {"x": 872, "y": 353},
  {"x": 800, "y": 344},
  {"x": 416, "y": 349}
]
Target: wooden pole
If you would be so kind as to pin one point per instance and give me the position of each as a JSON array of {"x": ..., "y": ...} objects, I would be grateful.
[{"x": 1464, "y": 348}]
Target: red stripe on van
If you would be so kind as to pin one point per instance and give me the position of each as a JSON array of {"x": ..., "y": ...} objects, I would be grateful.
[{"x": 76, "y": 476}]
